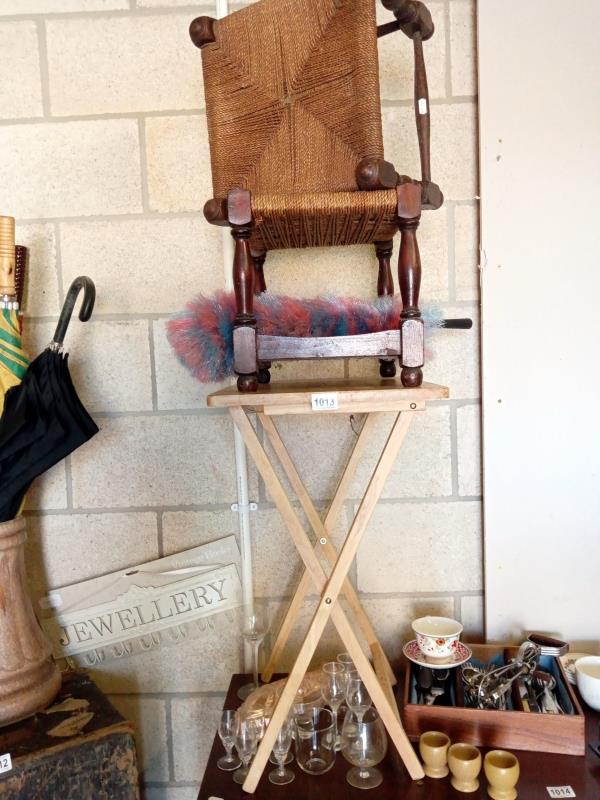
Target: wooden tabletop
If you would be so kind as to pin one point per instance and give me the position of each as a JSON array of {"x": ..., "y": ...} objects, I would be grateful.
[
  {"x": 538, "y": 770},
  {"x": 351, "y": 396}
]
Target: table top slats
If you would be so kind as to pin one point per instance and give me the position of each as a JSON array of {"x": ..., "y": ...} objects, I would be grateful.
[{"x": 353, "y": 396}]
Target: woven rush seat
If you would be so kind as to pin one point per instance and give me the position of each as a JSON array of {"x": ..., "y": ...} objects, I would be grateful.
[
  {"x": 292, "y": 96},
  {"x": 315, "y": 220},
  {"x": 293, "y": 111}
]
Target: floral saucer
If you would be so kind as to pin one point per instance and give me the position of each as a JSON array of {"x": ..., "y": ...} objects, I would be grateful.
[{"x": 462, "y": 653}]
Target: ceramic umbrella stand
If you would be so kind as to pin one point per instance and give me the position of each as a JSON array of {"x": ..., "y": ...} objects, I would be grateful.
[{"x": 29, "y": 678}]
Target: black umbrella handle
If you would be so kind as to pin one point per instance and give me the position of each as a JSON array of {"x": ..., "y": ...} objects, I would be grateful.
[{"x": 86, "y": 285}]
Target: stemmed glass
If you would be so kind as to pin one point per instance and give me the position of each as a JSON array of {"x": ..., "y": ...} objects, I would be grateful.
[
  {"x": 358, "y": 698},
  {"x": 227, "y": 735},
  {"x": 281, "y": 775},
  {"x": 246, "y": 740},
  {"x": 364, "y": 744},
  {"x": 288, "y": 756},
  {"x": 346, "y": 660},
  {"x": 254, "y": 630},
  {"x": 333, "y": 691}
]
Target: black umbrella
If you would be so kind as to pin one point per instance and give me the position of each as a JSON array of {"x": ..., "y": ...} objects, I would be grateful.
[{"x": 43, "y": 420}]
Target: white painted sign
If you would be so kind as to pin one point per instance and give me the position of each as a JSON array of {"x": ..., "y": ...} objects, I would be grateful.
[
  {"x": 325, "y": 401},
  {"x": 561, "y": 791},
  {"x": 5, "y": 763},
  {"x": 124, "y": 612}
]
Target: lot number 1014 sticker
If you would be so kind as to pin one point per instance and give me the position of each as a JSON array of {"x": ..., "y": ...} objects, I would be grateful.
[{"x": 561, "y": 791}]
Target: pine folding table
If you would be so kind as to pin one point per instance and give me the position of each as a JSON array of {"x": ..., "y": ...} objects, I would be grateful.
[{"x": 371, "y": 398}]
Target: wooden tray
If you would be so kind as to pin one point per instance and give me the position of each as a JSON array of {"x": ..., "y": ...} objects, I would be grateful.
[{"x": 514, "y": 730}]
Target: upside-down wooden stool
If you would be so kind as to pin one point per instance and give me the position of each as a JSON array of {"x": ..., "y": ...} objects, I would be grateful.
[
  {"x": 296, "y": 146},
  {"x": 348, "y": 397}
]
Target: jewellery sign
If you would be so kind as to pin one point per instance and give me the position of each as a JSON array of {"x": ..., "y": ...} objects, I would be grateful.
[{"x": 145, "y": 606}]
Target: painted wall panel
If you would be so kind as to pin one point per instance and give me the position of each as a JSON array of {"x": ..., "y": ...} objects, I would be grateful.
[{"x": 539, "y": 74}]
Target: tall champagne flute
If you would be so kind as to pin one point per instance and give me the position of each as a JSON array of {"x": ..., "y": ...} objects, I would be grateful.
[
  {"x": 358, "y": 698},
  {"x": 246, "y": 741},
  {"x": 254, "y": 630},
  {"x": 227, "y": 725},
  {"x": 334, "y": 687}
]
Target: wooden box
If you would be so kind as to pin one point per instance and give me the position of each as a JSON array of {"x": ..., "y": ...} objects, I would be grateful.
[
  {"x": 513, "y": 730},
  {"x": 81, "y": 748}
]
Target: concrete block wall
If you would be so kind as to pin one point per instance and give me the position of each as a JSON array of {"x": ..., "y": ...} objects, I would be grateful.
[{"x": 104, "y": 162}]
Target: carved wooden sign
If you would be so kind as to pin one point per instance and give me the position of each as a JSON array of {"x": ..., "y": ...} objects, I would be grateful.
[{"x": 108, "y": 616}]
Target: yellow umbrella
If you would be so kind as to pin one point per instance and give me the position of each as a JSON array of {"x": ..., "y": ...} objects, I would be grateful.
[{"x": 13, "y": 360}]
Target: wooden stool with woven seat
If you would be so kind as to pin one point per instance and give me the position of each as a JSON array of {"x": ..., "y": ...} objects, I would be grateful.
[{"x": 294, "y": 121}]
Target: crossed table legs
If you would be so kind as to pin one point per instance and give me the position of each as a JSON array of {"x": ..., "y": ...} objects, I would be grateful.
[
  {"x": 329, "y": 586},
  {"x": 322, "y": 529}
]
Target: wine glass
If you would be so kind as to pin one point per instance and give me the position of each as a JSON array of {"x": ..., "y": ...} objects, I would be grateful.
[
  {"x": 246, "y": 740},
  {"x": 227, "y": 735},
  {"x": 334, "y": 687},
  {"x": 358, "y": 698},
  {"x": 281, "y": 775},
  {"x": 364, "y": 744},
  {"x": 254, "y": 630}
]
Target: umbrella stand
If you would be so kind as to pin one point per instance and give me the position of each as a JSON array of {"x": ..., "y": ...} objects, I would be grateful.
[{"x": 29, "y": 678}]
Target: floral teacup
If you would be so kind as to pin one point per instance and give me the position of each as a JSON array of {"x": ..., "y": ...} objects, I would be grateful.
[{"x": 437, "y": 638}]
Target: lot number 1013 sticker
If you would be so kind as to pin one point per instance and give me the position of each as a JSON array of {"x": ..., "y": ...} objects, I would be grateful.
[{"x": 324, "y": 401}]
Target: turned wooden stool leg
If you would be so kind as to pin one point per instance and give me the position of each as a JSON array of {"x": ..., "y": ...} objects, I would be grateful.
[
  {"x": 260, "y": 286},
  {"x": 245, "y": 350},
  {"x": 385, "y": 288},
  {"x": 411, "y": 325},
  {"x": 244, "y": 334}
]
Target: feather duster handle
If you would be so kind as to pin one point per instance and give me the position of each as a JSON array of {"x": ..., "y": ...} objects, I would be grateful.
[{"x": 202, "y": 335}]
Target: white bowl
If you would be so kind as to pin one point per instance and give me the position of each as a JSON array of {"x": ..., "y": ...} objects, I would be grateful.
[
  {"x": 587, "y": 670},
  {"x": 437, "y": 637}
]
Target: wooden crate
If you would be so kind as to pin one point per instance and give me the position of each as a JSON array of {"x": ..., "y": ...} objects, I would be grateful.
[
  {"x": 514, "y": 730},
  {"x": 96, "y": 763}
]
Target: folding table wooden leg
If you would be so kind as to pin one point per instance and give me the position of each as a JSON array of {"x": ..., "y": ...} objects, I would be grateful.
[
  {"x": 328, "y": 606},
  {"x": 322, "y": 531}
]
